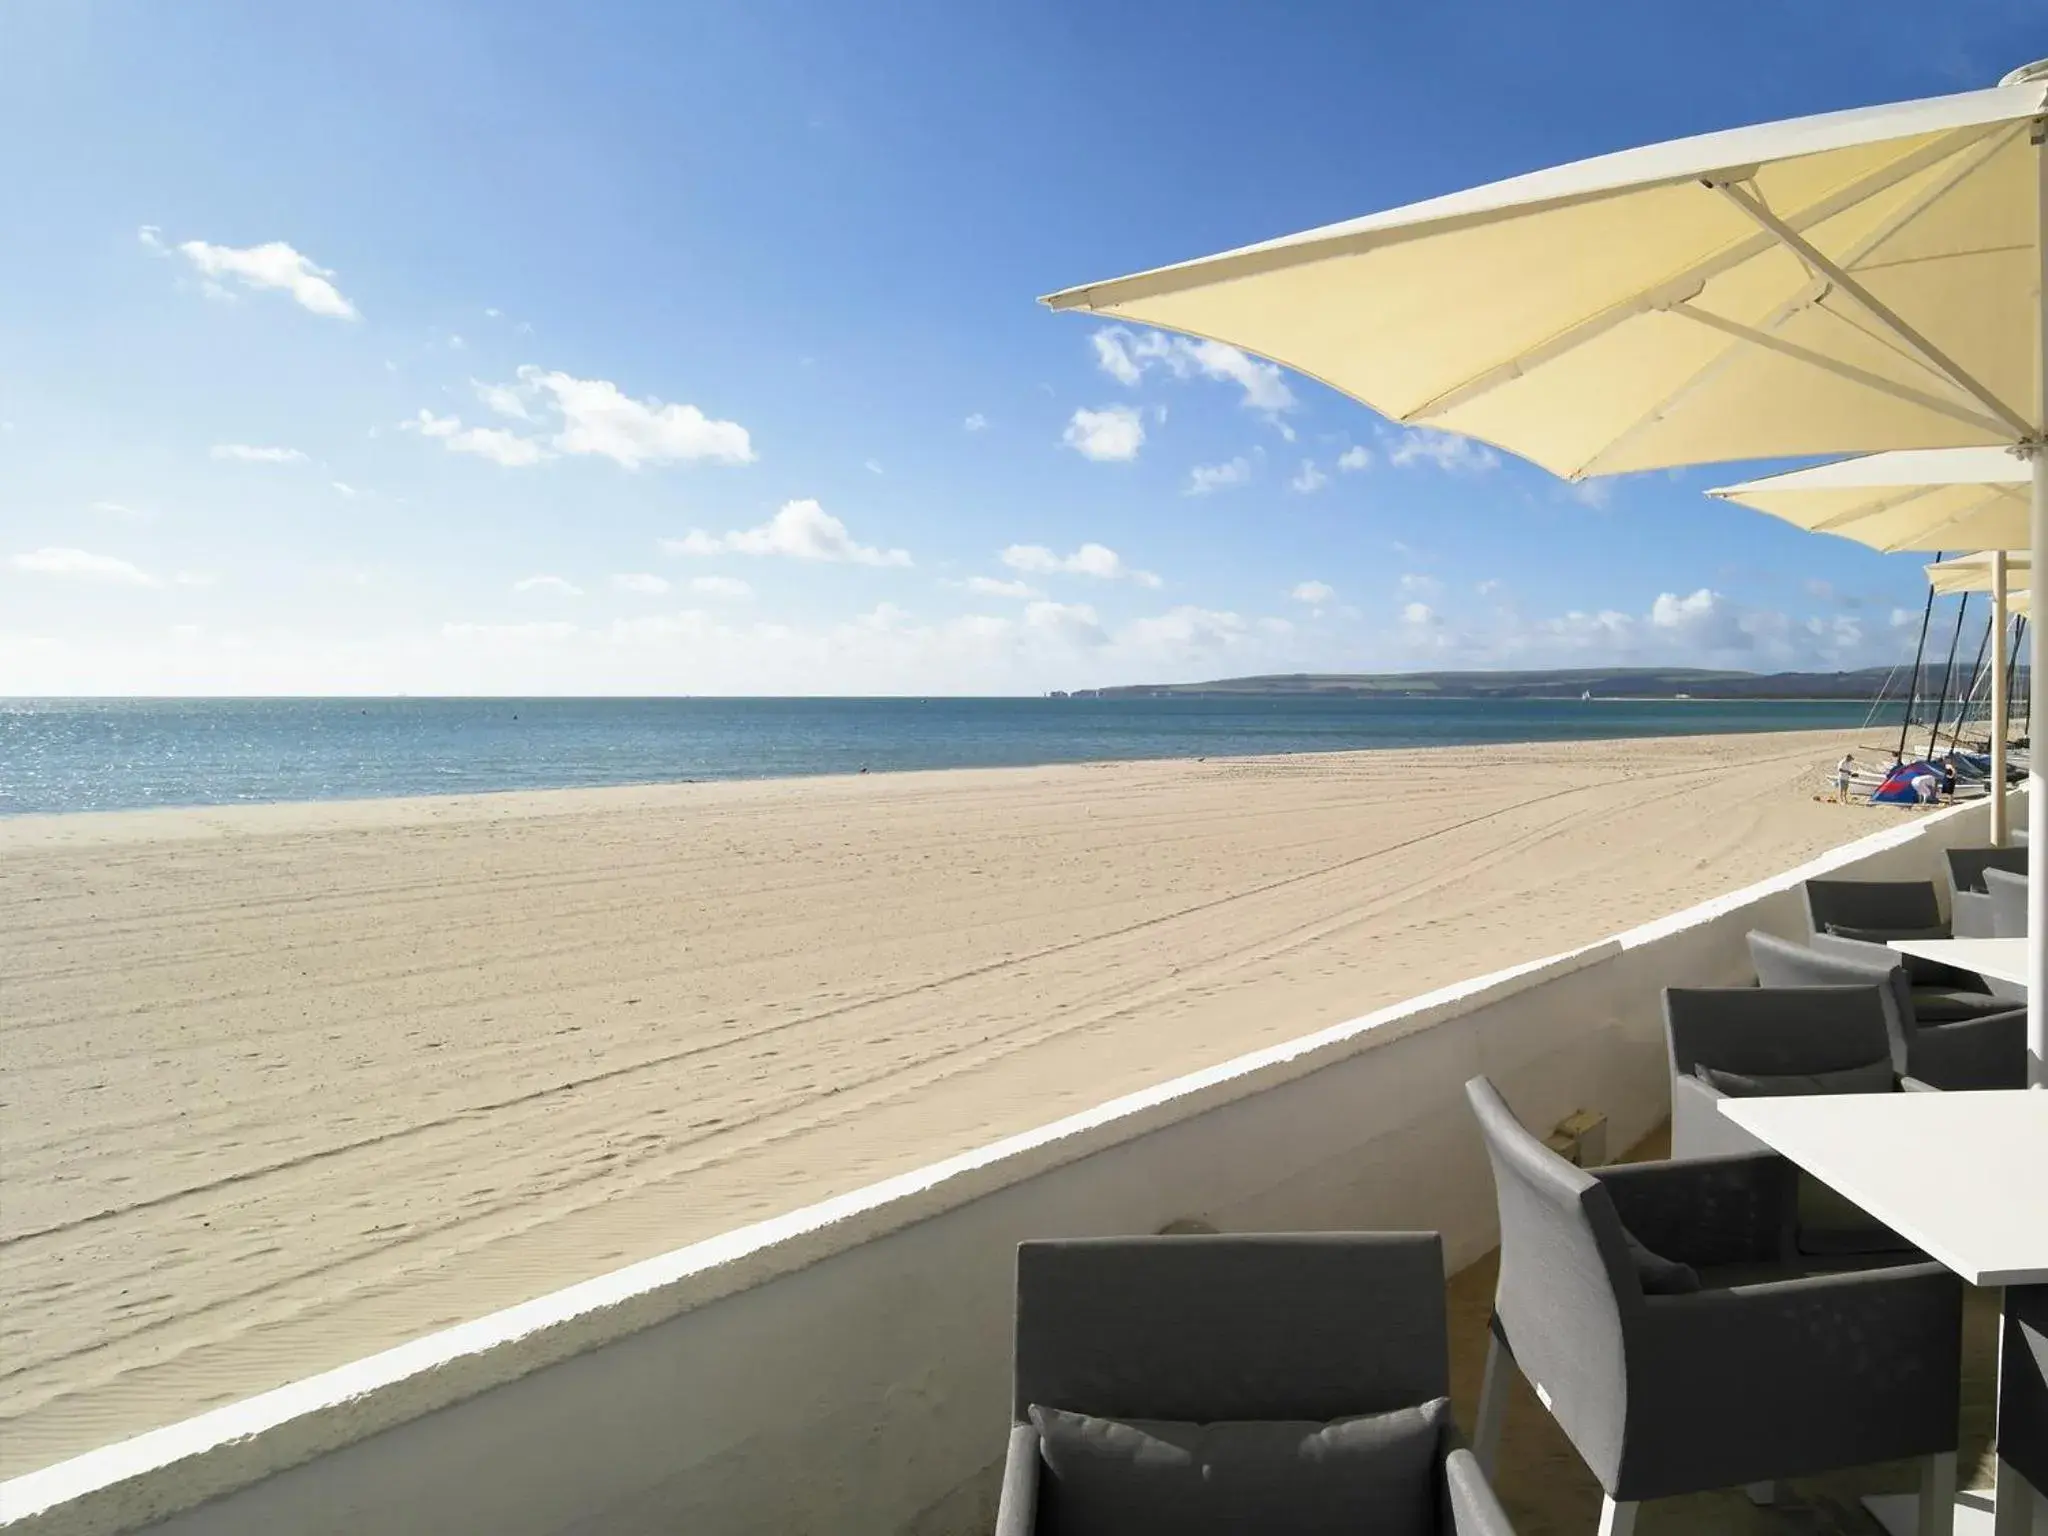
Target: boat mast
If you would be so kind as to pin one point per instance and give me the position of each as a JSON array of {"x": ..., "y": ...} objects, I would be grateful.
[
  {"x": 1948, "y": 671},
  {"x": 1920, "y": 650}
]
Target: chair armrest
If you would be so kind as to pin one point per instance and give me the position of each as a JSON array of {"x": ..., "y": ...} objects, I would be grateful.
[
  {"x": 1914, "y": 1085},
  {"x": 1475, "y": 1511},
  {"x": 1699, "y": 1129},
  {"x": 1017, "y": 1514},
  {"x": 1970, "y": 915},
  {"x": 1772, "y": 1365},
  {"x": 1736, "y": 1209},
  {"x": 1989, "y": 1051}
]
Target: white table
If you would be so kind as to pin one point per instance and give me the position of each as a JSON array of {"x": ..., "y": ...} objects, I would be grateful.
[
  {"x": 1997, "y": 959},
  {"x": 1962, "y": 1175}
]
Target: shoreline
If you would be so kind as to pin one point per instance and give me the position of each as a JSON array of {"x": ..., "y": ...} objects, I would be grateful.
[
  {"x": 296, "y": 1083},
  {"x": 21, "y": 827}
]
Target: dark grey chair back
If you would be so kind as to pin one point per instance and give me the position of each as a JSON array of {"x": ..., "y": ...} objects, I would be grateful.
[
  {"x": 1837, "y": 964},
  {"x": 1566, "y": 1283},
  {"x": 1966, "y": 866},
  {"x": 2008, "y": 894},
  {"x": 1901, "y": 906},
  {"x": 1778, "y": 1031},
  {"x": 1314, "y": 1326}
]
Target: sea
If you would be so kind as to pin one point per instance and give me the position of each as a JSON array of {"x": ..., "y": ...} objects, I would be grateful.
[{"x": 59, "y": 755}]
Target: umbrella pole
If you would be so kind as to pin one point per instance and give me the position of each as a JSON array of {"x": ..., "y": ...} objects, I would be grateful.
[
  {"x": 2037, "y": 780},
  {"x": 2037, "y": 651},
  {"x": 1999, "y": 834}
]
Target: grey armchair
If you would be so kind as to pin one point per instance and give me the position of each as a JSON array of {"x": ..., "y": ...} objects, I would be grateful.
[
  {"x": 1897, "y": 908},
  {"x": 2023, "y": 1398},
  {"x": 1742, "y": 1042},
  {"x": 1736, "y": 1370},
  {"x": 1242, "y": 1343},
  {"x": 1974, "y": 1047},
  {"x": 2007, "y": 893},
  {"x": 1969, "y": 903}
]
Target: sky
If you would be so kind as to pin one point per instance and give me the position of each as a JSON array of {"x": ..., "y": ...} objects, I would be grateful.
[{"x": 433, "y": 347}]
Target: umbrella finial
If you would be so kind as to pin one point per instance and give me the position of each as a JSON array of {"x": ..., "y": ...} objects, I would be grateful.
[{"x": 2028, "y": 73}]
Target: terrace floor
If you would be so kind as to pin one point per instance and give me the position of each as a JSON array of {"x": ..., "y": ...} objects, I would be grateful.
[{"x": 1547, "y": 1490}]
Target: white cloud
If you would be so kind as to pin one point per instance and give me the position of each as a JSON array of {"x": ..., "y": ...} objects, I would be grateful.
[
  {"x": 1819, "y": 590},
  {"x": 872, "y": 467},
  {"x": 1488, "y": 587},
  {"x": 493, "y": 443},
  {"x": 1125, "y": 355},
  {"x": 554, "y": 584},
  {"x": 81, "y": 565},
  {"x": 244, "y": 453},
  {"x": 1114, "y": 433},
  {"x": 1113, "y": 356},
  {"x": 600, "y": 419},
  {"x": 492, "y": 314},
  {"x": 975, "y": 423},
  {"x": 343, "y": 488},
  {"x": 801, "y": 530},
  {"x": 119, "y": 509},
  {"x": 991, "y": 586},
  {"x": 271, "y": 265},
  {"x": 505, "y": 399},
  {"x": 1070, "y": 623},
  {"x": 1446, "y": 450},
  {"x": 1420, "y": 586},
  {"x": 1204, "y": 478},
  {"x": 1313, "y": 592},
  {"x": 1353, "y": 459},
  {"x": 1591, "y": 493},
  {"x": 641, "y": 582},
  {"x": 1309, "y": 478},
  {"x": 1097, "y": 560},
  {"x": 726, "y": 588},
  {"x": 1184, "y": 628},
  {"x": 1418, "y": 615}
]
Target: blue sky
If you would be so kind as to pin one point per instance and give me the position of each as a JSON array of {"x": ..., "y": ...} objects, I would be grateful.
[{"x": 503, "y": 347}]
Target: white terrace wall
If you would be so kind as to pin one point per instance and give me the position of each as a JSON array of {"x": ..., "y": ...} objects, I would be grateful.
[{"x": 845, "y": 1369}]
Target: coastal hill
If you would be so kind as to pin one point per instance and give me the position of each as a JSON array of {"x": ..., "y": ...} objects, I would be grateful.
[{"x": 1568, "y": 683}]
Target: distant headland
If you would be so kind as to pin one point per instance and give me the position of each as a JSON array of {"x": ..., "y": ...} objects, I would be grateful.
[{"x": 1868, "y": 683}]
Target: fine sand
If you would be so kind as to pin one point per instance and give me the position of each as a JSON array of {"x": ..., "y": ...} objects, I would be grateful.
[{"x": 285, "y": 1085}]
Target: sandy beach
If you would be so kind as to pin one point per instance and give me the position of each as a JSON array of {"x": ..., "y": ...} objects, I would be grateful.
[{"x": 284, "y": 1085}]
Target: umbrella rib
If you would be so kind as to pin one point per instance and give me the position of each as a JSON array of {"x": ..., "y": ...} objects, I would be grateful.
[
  {"x": 1929, "y": 353},
  {"x": 1841, "y": 520},
  {"x": 1688, "y": 283},
  {"x": 1877, "y": 381},
  {"x": 1813, "y": 293}
]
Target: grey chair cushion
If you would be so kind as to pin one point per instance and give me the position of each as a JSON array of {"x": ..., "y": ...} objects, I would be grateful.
[
  {"x": 1953, "y": 1005},
  {"x": 1658, "y": 1275},
  {"x": 1885, "y": 935},
  {"x": 1115, "y": 1477},
  {"x": 1875, "y": 1078},
  {"x": 1832, "y": 1224}
]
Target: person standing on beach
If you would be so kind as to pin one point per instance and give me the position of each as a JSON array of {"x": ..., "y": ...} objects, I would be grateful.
[{"x": 1844, "y": 770}]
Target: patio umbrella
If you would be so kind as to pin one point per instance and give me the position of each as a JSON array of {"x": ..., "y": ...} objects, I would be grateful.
[
  {"x": 1932, "y": 499},
  {"x": 1926, "y": 498},
  {"x": 1853, "y": 282},
  {"x": 1979, "y": 573}
]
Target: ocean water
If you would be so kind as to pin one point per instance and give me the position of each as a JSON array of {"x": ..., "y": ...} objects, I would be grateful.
[{"x": 108, "y": 754}]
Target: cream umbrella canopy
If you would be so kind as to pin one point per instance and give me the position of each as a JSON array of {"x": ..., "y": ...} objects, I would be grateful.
[
  {"x": 1847, "y": 283},
  {"x": 1928, "y": 498},
  {"x": 1979, "y": 573},
  {"x": 1933, "y": 499}
]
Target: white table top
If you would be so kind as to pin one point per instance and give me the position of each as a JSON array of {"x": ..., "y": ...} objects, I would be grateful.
[
  {"x": 1998, "y": 959},
  {"x": 1963, "y": 1176}
]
